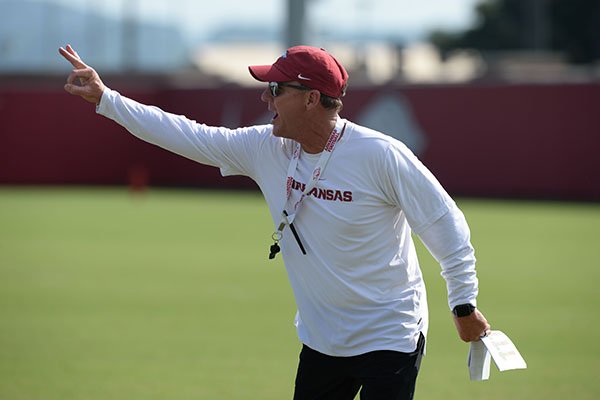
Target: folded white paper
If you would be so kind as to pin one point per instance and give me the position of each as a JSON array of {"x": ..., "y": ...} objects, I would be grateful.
[
  {"x": 500, "y": 348},
  {"x": 479, "y": 361}
]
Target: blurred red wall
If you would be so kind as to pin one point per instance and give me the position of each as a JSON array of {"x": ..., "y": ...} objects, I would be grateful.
[{"x": 522, "y": 141}]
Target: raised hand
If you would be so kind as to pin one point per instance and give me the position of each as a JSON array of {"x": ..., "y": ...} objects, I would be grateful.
[{"x": 83, "y": 81}]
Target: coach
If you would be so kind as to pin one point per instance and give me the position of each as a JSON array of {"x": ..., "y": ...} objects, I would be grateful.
[{"x": 344, "y": 201}]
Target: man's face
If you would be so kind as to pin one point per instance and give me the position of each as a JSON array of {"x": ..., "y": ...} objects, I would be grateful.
[{"x": 287, "y": 101}]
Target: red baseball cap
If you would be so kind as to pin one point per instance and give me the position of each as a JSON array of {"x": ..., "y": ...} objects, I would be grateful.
[{"x": 313, "y": 67}]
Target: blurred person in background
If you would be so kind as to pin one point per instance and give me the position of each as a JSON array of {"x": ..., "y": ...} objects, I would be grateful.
[{"x": 344, "y": 201}]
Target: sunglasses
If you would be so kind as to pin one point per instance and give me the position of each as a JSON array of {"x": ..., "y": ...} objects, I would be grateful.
[{"x": 276, "y": 87}]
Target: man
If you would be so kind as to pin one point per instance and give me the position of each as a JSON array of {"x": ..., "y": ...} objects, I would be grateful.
[{"x": 344, "y": 201}]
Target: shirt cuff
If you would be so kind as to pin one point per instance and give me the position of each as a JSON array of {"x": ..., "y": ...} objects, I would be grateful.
[{"x": 101, "y": 106}]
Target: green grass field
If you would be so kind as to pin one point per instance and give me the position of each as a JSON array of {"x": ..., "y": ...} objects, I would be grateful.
[{"x": 169, "y": 295}]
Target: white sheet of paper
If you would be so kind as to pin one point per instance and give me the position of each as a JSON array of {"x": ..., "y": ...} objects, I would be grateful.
[
  {"x": 500, "y": 348},
  {"x": 503, "y": 351},
  {"x": 479, "y": 361}
]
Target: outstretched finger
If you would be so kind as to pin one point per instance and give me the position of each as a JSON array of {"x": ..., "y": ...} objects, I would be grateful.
[
  {"x": 72, "y": 58},
  {"x": 71, "y": 50}
]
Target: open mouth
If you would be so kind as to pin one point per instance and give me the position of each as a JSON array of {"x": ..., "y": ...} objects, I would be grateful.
[{"x": 275, "y": 117}]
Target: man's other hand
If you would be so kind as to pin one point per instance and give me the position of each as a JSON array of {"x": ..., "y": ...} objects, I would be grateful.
[{"x": 472, "y": 327}]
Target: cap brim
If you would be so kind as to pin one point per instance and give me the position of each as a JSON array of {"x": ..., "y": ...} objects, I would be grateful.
[{"x": 267, "y": 73}]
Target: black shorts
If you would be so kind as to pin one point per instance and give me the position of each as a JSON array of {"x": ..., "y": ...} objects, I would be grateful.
[{"x": 378, "y": 375}]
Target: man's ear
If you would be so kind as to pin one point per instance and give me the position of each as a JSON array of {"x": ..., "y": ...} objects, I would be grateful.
[{"x": 313, "y": 99}]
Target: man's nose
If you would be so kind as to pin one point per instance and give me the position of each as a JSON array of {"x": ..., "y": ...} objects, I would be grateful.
[{"x": 266, "y": 95}]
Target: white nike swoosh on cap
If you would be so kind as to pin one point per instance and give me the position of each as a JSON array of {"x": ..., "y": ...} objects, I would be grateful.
[{"x": 303, "y": 78}]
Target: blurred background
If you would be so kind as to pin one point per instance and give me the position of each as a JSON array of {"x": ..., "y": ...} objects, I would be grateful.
[
  {"x": 497, "y": 97},
  {"x": 118, "y": 281}
]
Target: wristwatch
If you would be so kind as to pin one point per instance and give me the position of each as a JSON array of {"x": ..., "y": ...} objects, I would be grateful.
[{"x": 463, "y": 310}]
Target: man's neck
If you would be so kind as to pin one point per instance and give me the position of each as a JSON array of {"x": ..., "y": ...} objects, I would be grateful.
[{"x": 315, "y": 141}]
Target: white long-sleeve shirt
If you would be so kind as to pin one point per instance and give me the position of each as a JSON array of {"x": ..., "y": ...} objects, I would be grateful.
[{"x": 359, "y": 287}]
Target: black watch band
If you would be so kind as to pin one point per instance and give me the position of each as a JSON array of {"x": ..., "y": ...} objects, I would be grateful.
[{"x": 463, "y": 310}]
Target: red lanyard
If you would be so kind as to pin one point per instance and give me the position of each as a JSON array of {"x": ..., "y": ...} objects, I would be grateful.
[{"x": 318, "y": 172}]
